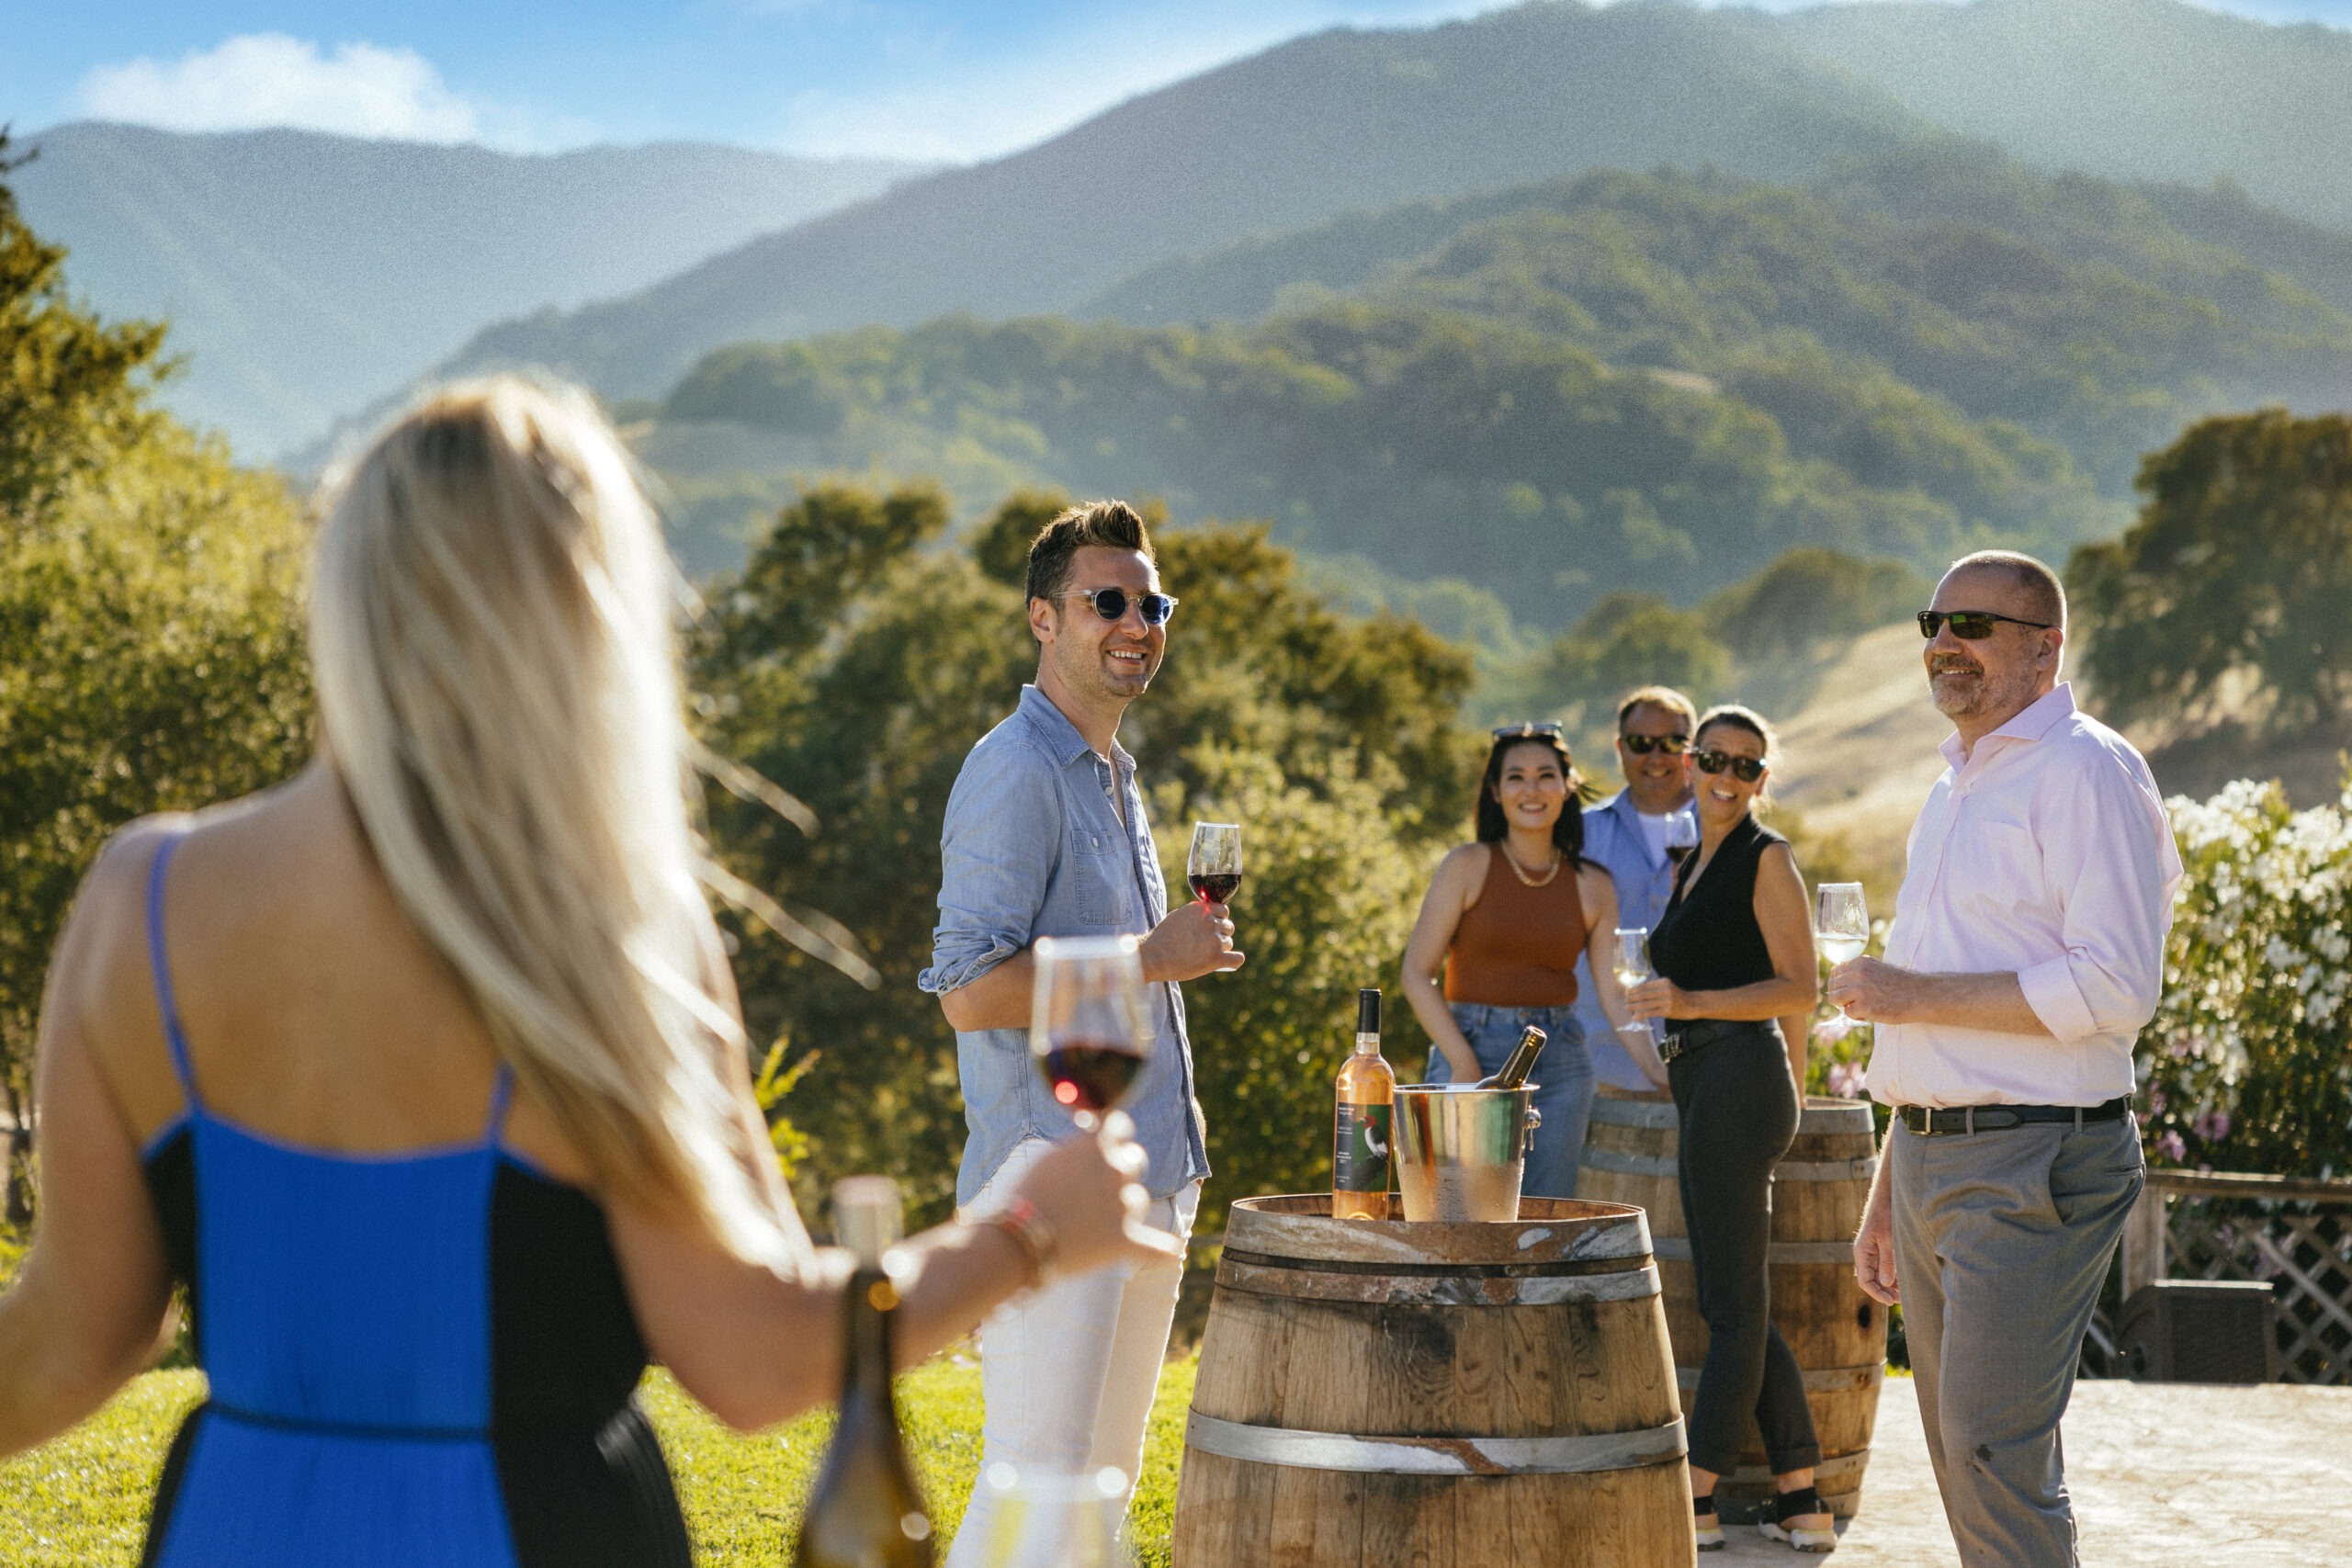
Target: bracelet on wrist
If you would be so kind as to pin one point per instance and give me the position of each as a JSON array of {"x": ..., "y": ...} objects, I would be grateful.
[{"x": 1022, "y": 1221}]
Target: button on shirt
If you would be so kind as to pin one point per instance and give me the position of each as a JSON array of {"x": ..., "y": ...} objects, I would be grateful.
[
  {"x": 2045, "y": 853},
  {"x": 1032, "y": 847},
  {"x": 1616, "y": 839}
]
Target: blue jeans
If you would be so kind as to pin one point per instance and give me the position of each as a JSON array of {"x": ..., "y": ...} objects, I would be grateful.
[{"x": 1563, "y": 1082}]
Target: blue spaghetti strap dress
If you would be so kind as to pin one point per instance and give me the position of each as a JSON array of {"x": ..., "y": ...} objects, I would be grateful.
[{"x": 424, "y": 1360}]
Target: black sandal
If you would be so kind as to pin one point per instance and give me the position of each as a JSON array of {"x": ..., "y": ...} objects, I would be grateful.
[
  {"x": 1710, "y": 1537},
  {"x": 1796, "y": 1505}
]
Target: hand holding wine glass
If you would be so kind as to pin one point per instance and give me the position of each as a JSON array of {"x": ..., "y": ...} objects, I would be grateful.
[
  {"x": 1681, "y": 834},
  {"x": 1841, "y": 925},
  {"x": 1632, "y": 966},
  {"x": 1087, "y": 1025}
]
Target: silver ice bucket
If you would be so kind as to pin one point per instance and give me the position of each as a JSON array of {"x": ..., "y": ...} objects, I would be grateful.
[{"x": 1462, "y": 1150}]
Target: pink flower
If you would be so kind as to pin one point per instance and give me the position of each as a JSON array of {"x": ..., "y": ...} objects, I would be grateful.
[
  {"x": 2169, "y": 1147},
  {"x": 2156, "y": 1100},
  {"x": 1846, "y": 1079},
  {"x": 2212, "y": 1126}
]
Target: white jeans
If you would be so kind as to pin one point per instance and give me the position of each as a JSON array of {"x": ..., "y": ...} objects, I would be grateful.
[{"x": 1067, "y": 1372}]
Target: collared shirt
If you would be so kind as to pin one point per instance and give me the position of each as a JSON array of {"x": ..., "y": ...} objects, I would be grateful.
[
  {"x": 1033, "y": 847},
  {"x": 1637, "y": 863},
  {"x": 2044, "y": 853}
]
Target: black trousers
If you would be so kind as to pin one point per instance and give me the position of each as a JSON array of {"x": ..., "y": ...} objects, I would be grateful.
[{"x": 1738, "y": 1109}]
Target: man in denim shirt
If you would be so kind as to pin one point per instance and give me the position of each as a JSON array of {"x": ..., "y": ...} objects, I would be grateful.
[
  {"x": 1045, "y": 836},
  {"x": 1626, "y": 837}
]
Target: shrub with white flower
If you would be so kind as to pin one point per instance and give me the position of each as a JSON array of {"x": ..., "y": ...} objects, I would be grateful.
[{"x": 2247, "y": 1065}]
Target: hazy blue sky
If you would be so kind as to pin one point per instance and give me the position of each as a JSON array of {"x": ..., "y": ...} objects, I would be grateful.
[{"x": 925, "y": 78}]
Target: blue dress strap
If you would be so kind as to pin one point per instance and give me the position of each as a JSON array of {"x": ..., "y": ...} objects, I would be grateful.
[
  {"x": 500, "y": 1092},
  {"x": 159, "y": 964}
]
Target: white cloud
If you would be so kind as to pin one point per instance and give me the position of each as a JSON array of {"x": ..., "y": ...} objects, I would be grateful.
[{"x": 261, "y": 79}]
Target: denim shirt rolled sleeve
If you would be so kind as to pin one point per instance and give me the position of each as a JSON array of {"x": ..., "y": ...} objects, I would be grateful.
[
  {"x": 1033, "y": 846},
  {"x": 1613, "y": 840}
]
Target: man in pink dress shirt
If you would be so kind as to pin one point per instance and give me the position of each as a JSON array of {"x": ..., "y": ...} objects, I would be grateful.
[{"x": 2026, "y": 952}]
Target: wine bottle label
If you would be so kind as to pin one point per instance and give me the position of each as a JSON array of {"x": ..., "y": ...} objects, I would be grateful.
[{"x": 1360, "y": 1149}]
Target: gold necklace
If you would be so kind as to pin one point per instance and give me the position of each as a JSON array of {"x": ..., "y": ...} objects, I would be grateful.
[{"x": 1525, "y": 880}]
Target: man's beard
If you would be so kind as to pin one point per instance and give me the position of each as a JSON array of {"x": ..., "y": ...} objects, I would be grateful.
[{"x": 1975, "y": 691}]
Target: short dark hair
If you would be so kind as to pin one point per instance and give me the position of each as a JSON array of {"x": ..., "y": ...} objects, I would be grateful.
[
  {"x": 1567, "y": 833},
  {"x": 1666, "y": 699},
  {"x": 1113, "y": 524},
  {"x": 2045, "y": 594}
]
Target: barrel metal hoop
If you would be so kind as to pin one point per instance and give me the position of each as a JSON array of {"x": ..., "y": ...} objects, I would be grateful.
[
  {"x": 1676, "y": 1249},
  {"x": 1435, "y": 1456},
  {"x": 1836, "y": 1468},
  {"x": 1818, "y": 1379},
  {"x": 1862, "y": 1169},
  {"x": 1620, "y": 1164},
  {"x": 1629, "y": 1263},
  {"x": 1545, "y": 1289}
]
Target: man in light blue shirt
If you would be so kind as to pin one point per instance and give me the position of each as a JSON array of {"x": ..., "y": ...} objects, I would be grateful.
[
  {"x": 1627, "y": 837},
  {"x": 1045, "y": 836}
]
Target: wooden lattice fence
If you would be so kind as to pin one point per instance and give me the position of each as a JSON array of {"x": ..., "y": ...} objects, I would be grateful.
[{"x": 2294, "y": 1233}]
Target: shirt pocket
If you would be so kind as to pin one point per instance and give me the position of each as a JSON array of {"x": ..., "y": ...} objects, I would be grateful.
[
  {"x": 2000, "y": 865},
  {"x": 1098, "y": 866}
]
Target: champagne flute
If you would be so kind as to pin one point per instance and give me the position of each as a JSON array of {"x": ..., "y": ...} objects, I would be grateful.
[
  {"x": 1633, "y": 968},
  {"x": 1841, "y": 925},
  {"x": 1086, "y": 1022},
  {"x": 1214, "y": 867},
  {"x": 1681, "y": 834}
]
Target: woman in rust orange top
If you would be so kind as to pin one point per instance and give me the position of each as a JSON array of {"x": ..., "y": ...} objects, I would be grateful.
[{"x": 1506, "y": 919}]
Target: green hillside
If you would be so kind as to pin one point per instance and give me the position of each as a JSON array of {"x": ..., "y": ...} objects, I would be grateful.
[
  {"x": 1659, "y": 380},
  {"x": 2098, "y": 316}
]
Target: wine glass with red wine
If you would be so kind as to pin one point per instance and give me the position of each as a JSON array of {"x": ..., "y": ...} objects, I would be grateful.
[
  {"x": 1213, "y": 868},
  {"x": 1086, "y": 1023}
]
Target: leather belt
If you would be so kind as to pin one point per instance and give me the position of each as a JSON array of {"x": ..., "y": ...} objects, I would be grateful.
[
  {"x": 1705, "y": 1031},
  {"x": 1920, "y": 1118}
]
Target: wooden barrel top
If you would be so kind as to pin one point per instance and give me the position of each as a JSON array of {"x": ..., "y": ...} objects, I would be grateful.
[{"x": 1548, "y": 1231}]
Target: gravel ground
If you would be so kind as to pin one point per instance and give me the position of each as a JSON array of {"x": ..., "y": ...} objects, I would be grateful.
[{"x": 2172, "y": 1475}]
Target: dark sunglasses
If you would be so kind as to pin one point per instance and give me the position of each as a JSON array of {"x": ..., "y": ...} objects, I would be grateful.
[
  {"x": 1110, "y": 603},
  {"x": 1643, "y": 745},
  {"x": 1747, "y": 770},
  {"x": 1531, "y": 730},
  {"x": 1969, "y": 626}
]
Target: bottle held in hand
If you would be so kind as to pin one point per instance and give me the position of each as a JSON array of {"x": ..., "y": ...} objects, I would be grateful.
[
  {"x": 867, "y": 1511},
  {"x": 1520, "y": 1063},
  {"x": 1361, "y": 1126}
]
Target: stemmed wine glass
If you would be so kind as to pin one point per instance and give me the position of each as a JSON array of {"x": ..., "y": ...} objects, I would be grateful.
[
  {"x": 1841, "y": 925},
  {"x": 1681, "y": 834},
  {"x": 1214, "y": 867},
  {"x": 1633, "y": 968},
  {"x": 1086, "y": 1022}
]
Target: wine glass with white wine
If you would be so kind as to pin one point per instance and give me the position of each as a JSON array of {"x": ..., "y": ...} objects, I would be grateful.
[
  {"x": 1841, "y": 925},
  {"x": 1633, "y": 968}
]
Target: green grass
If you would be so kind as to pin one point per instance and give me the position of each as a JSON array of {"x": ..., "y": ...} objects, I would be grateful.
[{"x": 81, "y": 1502}]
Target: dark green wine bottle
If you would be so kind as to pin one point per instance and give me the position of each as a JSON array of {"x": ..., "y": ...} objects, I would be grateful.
[{"x": 867, "y": 1511}]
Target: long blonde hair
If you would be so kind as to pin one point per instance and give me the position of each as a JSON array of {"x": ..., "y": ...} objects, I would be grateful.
[{"x": 492, "y": 627}]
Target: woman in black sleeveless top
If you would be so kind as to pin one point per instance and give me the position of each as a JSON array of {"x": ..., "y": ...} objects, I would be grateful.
[{"x": 1733, "y": 952}]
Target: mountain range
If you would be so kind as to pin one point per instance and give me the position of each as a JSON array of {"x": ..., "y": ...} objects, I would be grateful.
[
  {"x": 307, "y": 275},
  {"x": 1346, "y": 121}
]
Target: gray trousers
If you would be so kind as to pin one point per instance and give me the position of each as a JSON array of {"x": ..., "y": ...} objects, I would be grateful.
[{"x": 2002, "y": 1241}]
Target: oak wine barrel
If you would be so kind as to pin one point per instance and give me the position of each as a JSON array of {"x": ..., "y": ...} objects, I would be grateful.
[
  {"x": 1487, "y": 1393},
  {"x": 1837, "y": 1334}
]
